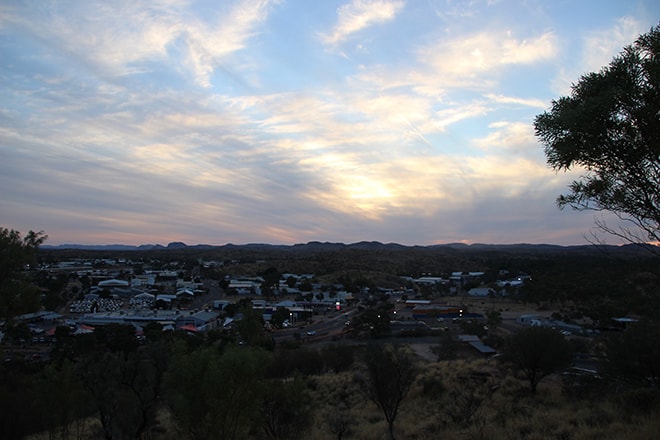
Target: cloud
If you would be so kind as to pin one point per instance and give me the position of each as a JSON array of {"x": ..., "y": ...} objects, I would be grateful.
[
  {"x": 511, "y": 138},
  {"x": 598, "y": 48},
  {"x": 360, "y": 14},
  {"x": 467, "y": 60},
  {"x": 128, "y": 38},
  {"x": 526, "y": 102},
  {"x": 116, "y": 126},
  {"x": 601, "y": 46},
  {"x": 208, "y": 46}
]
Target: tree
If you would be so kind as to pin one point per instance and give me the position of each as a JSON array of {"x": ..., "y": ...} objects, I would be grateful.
[
  {"x": 271, "y": 277},
  {"x": 634, "y": 354},
  {"x": 286, "y": 413},
  {"x": 338, "y": 357},
  {"x": 390, "y": 374},
  {"x": 61, "y": 401},
  {"x": 610, "y": 128},
  {"x": 493, "y": 318},
  {"x": 339, "y": 419},
  {"x": 16, "y": 254},
  {"x": 122, "y": 379},
  {"x": 305, "y": 285},
  {"x": 376, "y": 320},
  {"x": 280, "y": 315},
  {"x": 251, "y": 324},
  {"x": 538, "y": 352},
  {"x": 447, "y": 349},
  {"x": 465, "y": 403},
  {"x": 214, "y": 394}
]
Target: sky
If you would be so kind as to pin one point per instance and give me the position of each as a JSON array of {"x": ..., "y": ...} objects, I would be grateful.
[{"x": 288, "y": 121}]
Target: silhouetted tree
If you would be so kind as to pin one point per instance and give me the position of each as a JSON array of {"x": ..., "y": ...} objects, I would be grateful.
[
  {"x": 464, "y": 402},
  {"x": 538, "y": 352},
  {"x": 285, "y": 410},
  {"x": 493, "y": 318},
  {"x": 216, "y": 395},
  {"x": 62, "y": 400},
  {"x": 447, "y": 350},
  {"x": 251, "y": 325},
  {"x": 340, "y": 418},
  {"x": 280, "y": 315},
  {"x": 271, "y": 277},
  {"x": 389, "y": 376},
  {"x": 375, "y": 320},
  {"x": 17, "y": 254},
  {"x": 610, "y": 127},
  {"x": 338, "y": 357},
  {"x": 634, "y": 354}
]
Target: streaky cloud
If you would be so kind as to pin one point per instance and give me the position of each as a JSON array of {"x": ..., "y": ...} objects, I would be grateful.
[{"x": 360, "y": 14}]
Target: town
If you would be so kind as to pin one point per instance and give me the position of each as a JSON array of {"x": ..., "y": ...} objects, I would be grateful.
[
  {"x": 291, "y": 307},
  {"x": 141, "y": 343}
]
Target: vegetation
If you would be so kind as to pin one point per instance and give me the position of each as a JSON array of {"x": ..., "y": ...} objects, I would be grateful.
[
  {"x": 610, "y": 128},
  {"x": 17, "y": 253},
  {"x": 390, "y": 374},
  {"x": 227, "y": 393},
  {"x": 538, "y": 352},
  {"x": 240, "y": 384},
  {"x": 635, "y": 354}
]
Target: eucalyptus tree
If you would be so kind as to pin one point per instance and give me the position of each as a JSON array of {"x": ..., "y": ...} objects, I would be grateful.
[
  {"x": 390, "y": 372},
  {"x": 609, "y": 129}
]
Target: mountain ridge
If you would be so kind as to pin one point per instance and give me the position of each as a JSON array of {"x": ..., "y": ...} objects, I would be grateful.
[{"x": 330, "y": 246}]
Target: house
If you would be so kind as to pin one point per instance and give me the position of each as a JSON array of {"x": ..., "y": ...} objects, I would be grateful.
[
  {"x": 564, "y": 327},
  {"x": 622, "y": 323},
  {"x": 112, "y": 283},
  {"x": 430, "y": 280},
  {"x": 46, "y": 315},
  {"x": 143, "y": 300},
  {"x": 529, "y": 319},
  {"x": 482, "y": 348},
  {"x": 190, "y": 285},
  {"x": 166, "y": 298},
  {"x": 129, "y": 292},
  {"x": 185, "y": 293},
  {"x": 144, "y": 280},
  {"x": 202, "y": 320},
  {"x": 481, "y": 291},
  {"x": 475, "y": 342},
  {"x": 411, "y": 303},
  {"x": 220, "y": 304},
  {"x": 245, "y": 287}
]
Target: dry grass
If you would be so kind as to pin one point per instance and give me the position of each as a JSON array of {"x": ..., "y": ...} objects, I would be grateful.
[{"x": 509, "y": 413}]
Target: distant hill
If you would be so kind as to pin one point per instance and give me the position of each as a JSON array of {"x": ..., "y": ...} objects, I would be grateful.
[
  {"x": 125, "y": 247},
  {"x": 316, "y": 246}
]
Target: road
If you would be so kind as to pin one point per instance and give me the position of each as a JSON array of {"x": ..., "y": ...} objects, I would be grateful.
[{"x": 324, "y": 327}]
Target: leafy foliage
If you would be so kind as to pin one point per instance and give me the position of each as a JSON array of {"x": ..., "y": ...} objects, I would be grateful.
[
  {"x": 634, "y": 354},
  {"x": 390, "y": 374},
  {"x": 286, "y": 410},
  {"x": 17, "y": 254},
  {"x": 610, "y": 127},
  {"x": 538, "y": 352},
  {"x": 215, "y": 395}
]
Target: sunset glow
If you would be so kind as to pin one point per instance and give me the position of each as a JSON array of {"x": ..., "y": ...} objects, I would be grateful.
[{"x": 288, "y": 121}]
